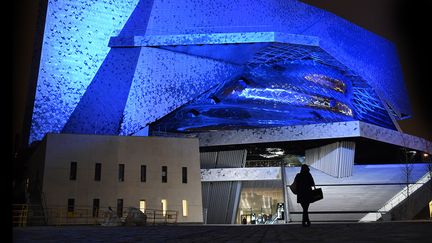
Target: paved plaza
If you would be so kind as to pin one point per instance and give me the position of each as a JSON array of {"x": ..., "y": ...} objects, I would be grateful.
[{"x": 413, "y": 231}]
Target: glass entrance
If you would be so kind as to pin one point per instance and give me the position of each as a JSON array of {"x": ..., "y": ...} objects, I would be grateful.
[{"x": 259, "y": 202}]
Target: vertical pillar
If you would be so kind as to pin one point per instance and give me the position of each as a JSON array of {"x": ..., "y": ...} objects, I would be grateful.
[{"x": 284, "y": 185}]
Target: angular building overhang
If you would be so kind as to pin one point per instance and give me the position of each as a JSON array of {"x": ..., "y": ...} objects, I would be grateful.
[
  {"x": 217, "y": 22},
  {"x": 211, "y": 39},
  {"x": 170, "y": 56},
  {"x": 321, "y": 133}
]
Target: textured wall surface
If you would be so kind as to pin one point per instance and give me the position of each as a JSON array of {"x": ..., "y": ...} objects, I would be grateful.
[
  {"x": 240, "y": 174},
  {"x": 288, "y": 133},
  {"x": 335, "y": 159},
  {"x": 389, "y": 136},
  {"x": 75, "y": 44},
  {"x": 220, "y": 198},
  {"x": 314, "y": 131},
  {"x": 85, "y": 87},
  {"x": 164, "y": 80}
]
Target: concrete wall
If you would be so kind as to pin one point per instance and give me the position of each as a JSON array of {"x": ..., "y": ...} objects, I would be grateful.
[{"x": 110, "y": 151}]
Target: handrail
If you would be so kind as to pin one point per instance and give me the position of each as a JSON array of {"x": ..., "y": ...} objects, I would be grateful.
[
  {"x": 161, "y": 216},
  {"x": 83, "y": 215},
  {"x": 19, "y": 215}
]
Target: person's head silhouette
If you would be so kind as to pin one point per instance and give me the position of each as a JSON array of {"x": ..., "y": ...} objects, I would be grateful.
[{"x": 304, "y": 168}]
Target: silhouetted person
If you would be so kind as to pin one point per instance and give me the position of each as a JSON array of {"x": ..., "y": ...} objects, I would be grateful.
[{"x": 305, "y": 182}]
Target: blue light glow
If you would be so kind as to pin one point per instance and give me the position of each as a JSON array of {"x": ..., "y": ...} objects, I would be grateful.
[
  {"x": 114, "y": 67},
  {"x": 75, "y": 44}
]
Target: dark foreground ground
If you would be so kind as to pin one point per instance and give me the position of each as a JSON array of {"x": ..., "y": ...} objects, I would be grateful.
[{"x": 319, "y": 232}]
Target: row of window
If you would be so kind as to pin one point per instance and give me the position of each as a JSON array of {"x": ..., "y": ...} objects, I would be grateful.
[
  {"x": 121, "y": 172},
  {"x": 142, "y": 207}
]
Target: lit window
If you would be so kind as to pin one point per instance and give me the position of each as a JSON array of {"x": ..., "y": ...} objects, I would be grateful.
[
  {"x": 142, "y": 206},
  {"x": 185, "y": 208},
  {"x": 164, "y": 206}
]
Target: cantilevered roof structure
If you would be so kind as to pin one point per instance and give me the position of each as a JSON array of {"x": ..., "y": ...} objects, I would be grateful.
[{"x": 200, "y": 66}]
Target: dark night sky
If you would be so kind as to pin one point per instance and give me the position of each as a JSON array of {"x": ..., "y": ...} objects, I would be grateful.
[{"x": 400, "y": 21}]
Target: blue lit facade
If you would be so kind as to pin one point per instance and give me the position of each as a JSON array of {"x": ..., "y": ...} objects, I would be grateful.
[{"x": 111, "y": 67}]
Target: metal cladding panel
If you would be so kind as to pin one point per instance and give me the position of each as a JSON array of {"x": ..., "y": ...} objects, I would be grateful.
[
  {"x": 205, "y": 188},
  {"x": 367, "y": 54},
  {"x": 164, "y": 81},
  {"x": 223, "y": 201},
  {"x": 336, "y": 159},
  {"x": 347, "y": 153},
  {"x": 221, "y": 198},
  {"x": 393, "y": 137},
  {"x": 78, "y": 71},
  {"x": 218, "y": 204},
  {"x": 74, "y": 47},
  {"x": 280, "y": 134},
  {"x": 100, "y": 109},
  {"x": 204, "y": 16},
  {"x": 208, "y": 160},
  {"x": 282, "y": 84},
  {"x": 372, "y": 57},
  {"x": 241, "y": 174},
  {"x": 231, "y": 159}
]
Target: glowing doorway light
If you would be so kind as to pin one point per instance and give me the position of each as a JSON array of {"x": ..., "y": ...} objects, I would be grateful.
[
  {"x": 142, "y": 206},
  {"x": 185, "y": 208},
  {"x": 164, "y": 206}
]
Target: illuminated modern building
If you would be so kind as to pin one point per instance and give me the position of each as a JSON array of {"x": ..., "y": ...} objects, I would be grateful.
[{"x": 237, "y": 75}]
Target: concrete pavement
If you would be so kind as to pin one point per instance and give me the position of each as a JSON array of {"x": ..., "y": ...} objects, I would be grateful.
[{"x": 408, "y": 231}]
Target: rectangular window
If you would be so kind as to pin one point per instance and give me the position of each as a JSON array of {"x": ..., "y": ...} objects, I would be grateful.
[
  {"x": 71, "y": 205},
  {"x": 185, "y": 208},
  {"x": 73, "y": 171},
  {"x": 95, "y": 207},
  {"x": 184, "y": 174},
  {"x": 142, "y": 206},
  {"x": 121, "y": 172},
  {"x": 98, "y": 168},
  {"x": 164, "y": 174},
  {"x": 164, "y": 206},
  {"x": 143, "y": 173},
  {"x": 120, "y": 208}
]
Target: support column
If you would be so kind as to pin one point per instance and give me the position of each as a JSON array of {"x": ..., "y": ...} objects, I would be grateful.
[{"x": 284, "y": 185}]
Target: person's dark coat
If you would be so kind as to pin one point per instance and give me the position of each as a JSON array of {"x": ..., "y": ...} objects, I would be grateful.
[{"x": 305, "y": 182}]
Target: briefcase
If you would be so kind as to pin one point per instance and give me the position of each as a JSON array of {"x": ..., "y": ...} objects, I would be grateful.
[{"x": 317, "y": 194}]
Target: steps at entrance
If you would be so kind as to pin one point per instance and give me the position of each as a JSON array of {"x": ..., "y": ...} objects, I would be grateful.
[{"x": 351, "y": 198}]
